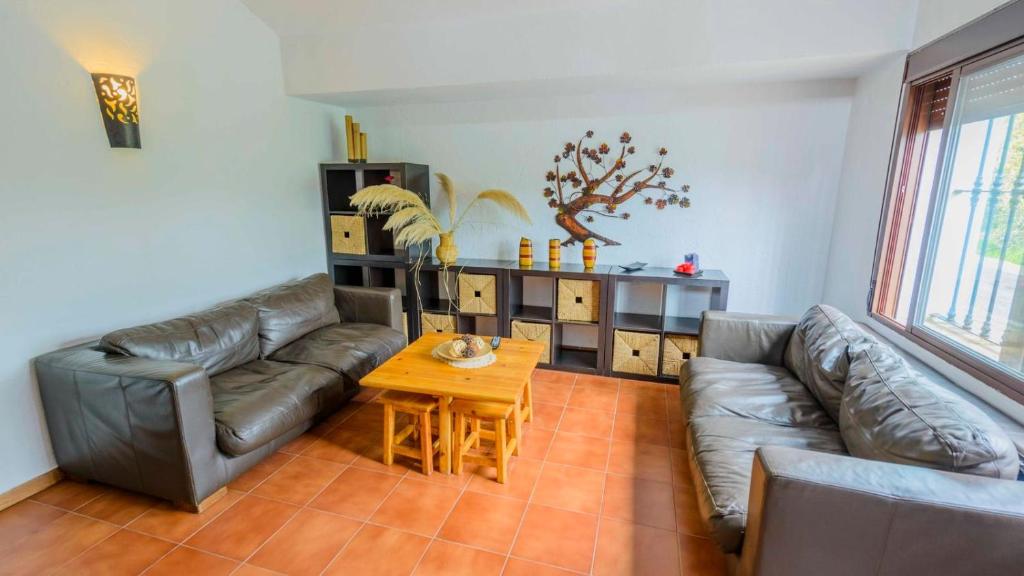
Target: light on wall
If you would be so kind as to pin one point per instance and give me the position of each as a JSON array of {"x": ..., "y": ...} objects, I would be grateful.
[{"x": 119, "y": 107}]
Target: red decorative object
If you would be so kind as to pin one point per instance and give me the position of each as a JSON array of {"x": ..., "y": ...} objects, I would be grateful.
[
  {"x": 686, "y": 268},
  {"x": 389, "y": 178},
  {"x": 584, "y": 189}
]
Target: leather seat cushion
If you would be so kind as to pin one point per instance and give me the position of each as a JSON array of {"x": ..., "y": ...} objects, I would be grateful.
[
  {"x": 352, "y": 349},
  {"x": 712, "y": 387},
  {"x": 217, "y": 339},
  {"x": 722, "y": 455},
  {"x": 259, "y": 401},
  {"x": 893, "y": 414},
  {"x": 818, "y": 353},
  {"x": 289, "y": 311}
]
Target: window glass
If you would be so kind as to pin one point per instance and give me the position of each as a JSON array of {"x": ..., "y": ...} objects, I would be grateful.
[{"x": 974, "y": 294}]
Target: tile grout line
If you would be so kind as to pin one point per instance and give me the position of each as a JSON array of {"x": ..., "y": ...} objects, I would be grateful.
[
  {"x": 119, "y": 527},
  {"x": 365, "y": 522},
  {"x": 183, "y": 540},
  {"x": 299, "y": 508},
  {"x": 249, "y": 492},
  {"x": 540, "y": 473},
  {"x": 604, "y": 486}
]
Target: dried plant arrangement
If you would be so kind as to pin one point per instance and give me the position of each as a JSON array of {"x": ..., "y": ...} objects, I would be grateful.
[
  {"x": 598, "y": 182},
  {"x": 411, "y": 221}
]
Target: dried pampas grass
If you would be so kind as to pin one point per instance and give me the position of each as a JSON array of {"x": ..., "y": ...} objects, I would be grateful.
[{"x": 412, "y": 222}]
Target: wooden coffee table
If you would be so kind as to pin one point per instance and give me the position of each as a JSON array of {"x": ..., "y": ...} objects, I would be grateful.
[{"x": 507, "y": 380}]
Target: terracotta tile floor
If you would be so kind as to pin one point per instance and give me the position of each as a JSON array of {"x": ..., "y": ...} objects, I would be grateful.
[{"x": 602, "y": 487}]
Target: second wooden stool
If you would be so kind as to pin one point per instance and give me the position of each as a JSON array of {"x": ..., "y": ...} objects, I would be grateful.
[
  {"x": 419, "y": 406},
  {"x": 504, "y": 434}
]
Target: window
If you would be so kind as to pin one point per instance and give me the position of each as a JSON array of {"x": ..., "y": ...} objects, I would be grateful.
[{"x": 949, "y": 270}]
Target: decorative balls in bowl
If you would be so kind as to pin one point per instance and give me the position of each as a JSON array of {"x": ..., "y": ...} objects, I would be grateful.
[{"x": 469, "y": 346}]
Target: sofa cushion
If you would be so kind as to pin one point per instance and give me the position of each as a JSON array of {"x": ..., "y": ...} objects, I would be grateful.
[
  {"x": 722, "y": 450},
  {"x": 351, "y": 348},
  {"x": 712, "y": 387},
  {"x": 290, "y": 311},
  {"x": 217, "y": 339},
  {"x": 818, "y": 353},
  {"x": 259, "y": 401},
  {"x": 893, "y": 414}
]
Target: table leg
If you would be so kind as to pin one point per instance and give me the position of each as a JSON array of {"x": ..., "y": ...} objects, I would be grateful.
[
  {"x": 517, "y": 423},
  {"x": 528, "y": 402},
  {"x": 444, "y": 426}
]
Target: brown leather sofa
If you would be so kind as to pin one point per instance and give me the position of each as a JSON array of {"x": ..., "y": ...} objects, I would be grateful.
[
  {"x": 817, "y": 449},
  {"x": 179, "y": 408}
]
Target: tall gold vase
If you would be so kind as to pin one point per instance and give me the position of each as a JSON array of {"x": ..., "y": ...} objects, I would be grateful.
[{"x": 446, "y": 251}]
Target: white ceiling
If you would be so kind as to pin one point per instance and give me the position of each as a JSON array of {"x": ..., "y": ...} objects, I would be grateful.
[{"x": 354, "y": 52}]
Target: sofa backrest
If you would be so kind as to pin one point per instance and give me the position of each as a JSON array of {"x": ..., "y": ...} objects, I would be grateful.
[
  {"x": 818, "y": 353},
  {"x": 289, "y": 311},
  {"x": 217, "y": 339}
]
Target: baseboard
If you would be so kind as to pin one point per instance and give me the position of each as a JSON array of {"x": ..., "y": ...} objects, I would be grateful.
[{"x": 30, "y": 488}]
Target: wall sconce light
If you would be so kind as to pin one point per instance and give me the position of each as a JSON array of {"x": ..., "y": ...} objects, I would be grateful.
[{"x": 119, "y": 107}]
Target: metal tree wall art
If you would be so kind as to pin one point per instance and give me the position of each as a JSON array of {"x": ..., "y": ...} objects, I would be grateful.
[{"x": 598, "y": 182}]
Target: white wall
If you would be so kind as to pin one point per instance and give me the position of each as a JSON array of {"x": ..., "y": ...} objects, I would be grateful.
[
  {"x": 859, "y": 203},
  {"x": 862, "y": 187},
  {"x": 221, "y": 200},
  {"x": 763, "y": 161}
]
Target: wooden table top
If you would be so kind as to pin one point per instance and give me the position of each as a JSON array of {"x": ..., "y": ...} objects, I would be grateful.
[{"x": 415, "y": 370}]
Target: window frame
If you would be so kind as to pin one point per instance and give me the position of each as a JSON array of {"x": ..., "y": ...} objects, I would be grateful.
[{"x": 944, "y": 348}]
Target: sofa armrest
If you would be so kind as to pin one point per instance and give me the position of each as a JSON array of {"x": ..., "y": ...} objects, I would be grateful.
[
  {"x": 750, "y": 338},
  {"x": 817, "y": 513},
  {"x": 369, "y": 305},
  {"x": 139, "y": 424}
]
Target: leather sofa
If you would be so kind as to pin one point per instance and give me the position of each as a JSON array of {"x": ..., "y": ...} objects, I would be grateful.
[
  {"x": 179, "y": 408},
  {"x": 816, "y": 449}
]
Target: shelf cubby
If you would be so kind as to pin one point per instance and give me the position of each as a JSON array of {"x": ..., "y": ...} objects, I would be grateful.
[{"x": 347, "y": 274}]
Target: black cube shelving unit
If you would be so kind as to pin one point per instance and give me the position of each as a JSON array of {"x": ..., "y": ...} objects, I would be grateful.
[
  {"x": 375, "y": 261},
  {"x": 669, "y": 305}
]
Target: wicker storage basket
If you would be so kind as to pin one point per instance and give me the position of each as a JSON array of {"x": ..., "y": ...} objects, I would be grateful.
[
  {"x": 348, "y": 235},
  {"x": 534, "y": 332},
  {"x": 678, "y": 349},
  {"x": 477, "y": 294},
  {"x": 635, "y": 353},
  {"x": 579, "y": 300},
  {"x": 436, "y": 323}
]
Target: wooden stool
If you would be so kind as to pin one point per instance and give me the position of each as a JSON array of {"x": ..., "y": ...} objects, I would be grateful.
[
  {"x": 505, "y": 434},
  {"x": 419, "y": 406}
]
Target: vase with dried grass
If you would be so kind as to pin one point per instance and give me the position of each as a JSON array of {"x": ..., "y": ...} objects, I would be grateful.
[{"x": 412, "y": 223}]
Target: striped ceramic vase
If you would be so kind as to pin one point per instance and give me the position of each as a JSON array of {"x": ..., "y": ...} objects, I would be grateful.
[
  {"x": 525, "y": 252},
  {"x": 589, "y": 253},
  {"x": 554, "y": 254}
]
